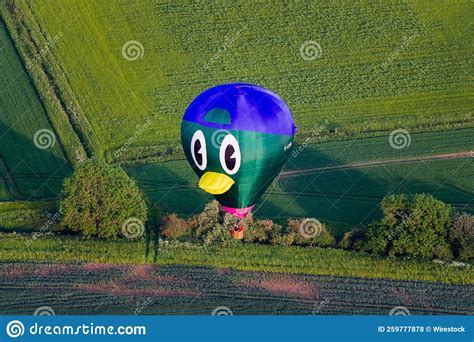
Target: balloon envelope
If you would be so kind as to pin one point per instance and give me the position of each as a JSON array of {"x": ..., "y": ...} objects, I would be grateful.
[{"x": 237, "y": 138}]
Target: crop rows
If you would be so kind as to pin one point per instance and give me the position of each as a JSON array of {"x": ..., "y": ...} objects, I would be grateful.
[
  {"x": 146, "y": 289},
  {"x": 377, "y": 70}
]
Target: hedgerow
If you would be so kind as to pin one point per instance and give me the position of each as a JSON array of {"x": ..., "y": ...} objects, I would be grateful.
[
  {"x": 212, "y": 226},
  {"x": 421, "y": 226}
]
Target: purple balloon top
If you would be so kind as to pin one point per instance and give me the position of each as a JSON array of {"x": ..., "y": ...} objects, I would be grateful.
[{"x": 241, "y": 106}]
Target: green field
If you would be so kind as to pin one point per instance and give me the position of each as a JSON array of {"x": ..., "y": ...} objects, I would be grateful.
[
  {"x": 247, "y": 257},
  {"x": 382, "y": 66},
  {"x": 65, "y": 69},
  {"x": 343, "y": 198},
  {"x": 26, "y": 171},
  {"x": 378, "y": 71}
]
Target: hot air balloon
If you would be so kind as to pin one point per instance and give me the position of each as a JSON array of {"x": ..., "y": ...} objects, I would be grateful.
[{"x": 237, "y": 138}]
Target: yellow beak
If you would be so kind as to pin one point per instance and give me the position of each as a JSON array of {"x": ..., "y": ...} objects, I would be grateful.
[{"x": 215, "y": 183}]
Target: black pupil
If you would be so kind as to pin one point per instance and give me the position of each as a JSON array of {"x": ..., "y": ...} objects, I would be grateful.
[
  {"x": 229, "y": 160},
  {"x": 197, "y": 153}
]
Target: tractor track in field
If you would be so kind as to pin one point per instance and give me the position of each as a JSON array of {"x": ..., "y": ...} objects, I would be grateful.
[
  {"x": 290, "y": 173},
  {"x": 98, "y": 288},
  {"x": 458, "y": 155},
  {"x": 8, "y": 181}
]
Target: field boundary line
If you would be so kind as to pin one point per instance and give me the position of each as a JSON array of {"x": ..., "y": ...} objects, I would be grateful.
[
  {"x": 28, "y": 41},
  {"x": 447, "y": 156},
  {"x": 63, "y": 91}
]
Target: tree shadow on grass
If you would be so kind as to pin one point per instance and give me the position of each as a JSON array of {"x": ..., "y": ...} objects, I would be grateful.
[
  {"x": 153, "y": 234},
  {"x": 167, "y": 191},
  {"x": 28, "y": 174}
]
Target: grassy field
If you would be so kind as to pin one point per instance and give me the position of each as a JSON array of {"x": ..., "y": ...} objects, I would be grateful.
[
  {"x": 247, "y": 257},
  {"x": 98, "y": 99},
  {"x": 26, "y": 171},
  {"x": 111, "y": 289},
  {"x": 381, "y": 66},
  {"x": 27, "y": 215},
  {"x": 343, "y": 198},
  {"x": 68, "y": 68}
]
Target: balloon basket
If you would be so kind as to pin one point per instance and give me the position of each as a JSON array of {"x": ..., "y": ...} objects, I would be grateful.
[{"x": 238, "y": 231}]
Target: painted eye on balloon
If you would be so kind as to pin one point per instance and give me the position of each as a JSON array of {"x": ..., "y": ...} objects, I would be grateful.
[
  {"x": 198, "y": 150},
  {"x": 230, "y": 154}
]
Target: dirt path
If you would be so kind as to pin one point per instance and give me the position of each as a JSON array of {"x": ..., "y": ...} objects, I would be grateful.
[
  {"x": 469, "y": 154},
  {"x": 108, "y": 289}
]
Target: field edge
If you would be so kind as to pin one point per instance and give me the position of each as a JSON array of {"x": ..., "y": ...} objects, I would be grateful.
[{"x": 297, "y": 260}]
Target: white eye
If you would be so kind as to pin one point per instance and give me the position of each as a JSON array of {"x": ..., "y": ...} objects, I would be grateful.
[
  {"x": 229, "y": 154},
  {"x": 198, "y": 150}
]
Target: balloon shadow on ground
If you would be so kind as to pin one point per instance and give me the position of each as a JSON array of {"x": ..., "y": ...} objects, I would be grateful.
[
  {"x": 347, "y": 197},
  {"x": 335, "y": 193},
  {"x": 167, "y": 191}
]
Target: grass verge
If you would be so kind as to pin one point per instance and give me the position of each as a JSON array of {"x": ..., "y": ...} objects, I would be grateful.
[
  {"x": 317, "y": 261},
  {"x": 25, "y": 215}
]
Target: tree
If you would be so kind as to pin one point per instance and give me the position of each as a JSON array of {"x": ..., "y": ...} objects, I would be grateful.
[
  {"x": 461, "y": 236},
  {"x": 175, "y": 227},
  {"x": 413, "y": 227},
  {"x": 310, "y": 232},
  {"x": 100, "y": 200}
]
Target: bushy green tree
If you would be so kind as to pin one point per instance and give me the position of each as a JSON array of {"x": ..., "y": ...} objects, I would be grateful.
[
  {"x": 213, "y": 225},
  {"x": 353, "y": 240},
  {"x": 174, "y": 227},
  {"x": 310, "y": 232},
  {"x": 413, "y": 227},
  {"x": 286, "y": 239},
  {"x": 210, "y": 217},
  {"x": 100, "y": 200},
  {"x": 461, "y": 236},
  {"x": 258, "y": 231}
]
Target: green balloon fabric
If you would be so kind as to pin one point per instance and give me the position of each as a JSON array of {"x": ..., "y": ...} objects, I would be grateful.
[
  {"x": 237, "y": 143},
  {"x": 263, "y": 157}
]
